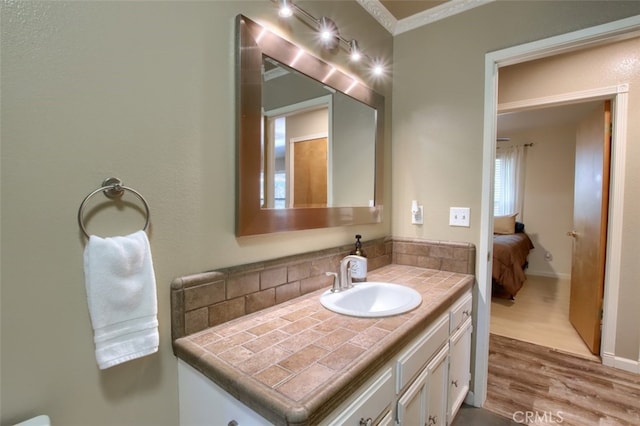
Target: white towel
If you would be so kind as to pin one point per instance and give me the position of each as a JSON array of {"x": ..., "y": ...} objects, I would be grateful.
[{"x": 121, "y": 293}]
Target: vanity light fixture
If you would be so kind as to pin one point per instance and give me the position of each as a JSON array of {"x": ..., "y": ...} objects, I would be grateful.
[
  {"x": 354, "y": 51},
  {"x": 378, "y": 69},
  {"x": 285, "y": 10},
  {"x": 330, "y": 36}
]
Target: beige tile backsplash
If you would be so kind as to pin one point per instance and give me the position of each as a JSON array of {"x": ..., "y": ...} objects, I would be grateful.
[{"x": 203, "y": 300}]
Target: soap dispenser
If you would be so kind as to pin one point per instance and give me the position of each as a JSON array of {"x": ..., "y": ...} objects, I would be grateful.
[{"x": 359, "y": 266}]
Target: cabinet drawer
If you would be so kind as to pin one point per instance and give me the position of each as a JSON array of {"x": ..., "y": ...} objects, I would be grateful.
[
  {"x": 372, "y": 401},
  {"x": 461, "y": 311},
  {"x": 411, "y": 361}
]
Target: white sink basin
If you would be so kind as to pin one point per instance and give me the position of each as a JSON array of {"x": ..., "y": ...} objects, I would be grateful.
[{"x": 372, "y": 299}]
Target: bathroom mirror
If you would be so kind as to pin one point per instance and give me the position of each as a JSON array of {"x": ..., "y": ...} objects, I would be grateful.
[{"x": 309, "y": 139}]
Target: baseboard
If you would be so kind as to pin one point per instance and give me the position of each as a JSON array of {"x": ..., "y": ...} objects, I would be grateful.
[
  {"x": 610, "y": 360},
  {"x": 558, "y": 275},
  {"x": 470, "y": 399}
]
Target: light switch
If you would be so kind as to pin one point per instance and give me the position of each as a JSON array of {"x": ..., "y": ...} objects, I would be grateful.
[{"x": 459, "y": 216}]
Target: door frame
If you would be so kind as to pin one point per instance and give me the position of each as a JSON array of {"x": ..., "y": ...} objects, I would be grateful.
[
  {"x": 606, "y": 33},
  {"x": 619, "y": 96}
]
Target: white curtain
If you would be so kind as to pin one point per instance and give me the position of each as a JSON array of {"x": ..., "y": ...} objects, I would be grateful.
[{"x": 509, "y": 181}]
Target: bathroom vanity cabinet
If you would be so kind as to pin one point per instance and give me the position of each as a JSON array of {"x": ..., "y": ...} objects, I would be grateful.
[
  {"x": 435, "y": 395},
  {"x": 424, "y": 382}
]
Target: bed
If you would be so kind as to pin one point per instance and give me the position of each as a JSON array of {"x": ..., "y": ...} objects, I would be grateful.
[{"x": 510, "y": 252}]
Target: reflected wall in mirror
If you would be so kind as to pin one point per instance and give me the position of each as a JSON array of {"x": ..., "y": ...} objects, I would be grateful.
[
  {"x": 319, "y": 144},
  {"x": 309, "y": 139}
]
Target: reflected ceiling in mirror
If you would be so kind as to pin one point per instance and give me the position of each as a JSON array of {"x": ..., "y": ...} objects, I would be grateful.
[{"x": 293, "y": 107}]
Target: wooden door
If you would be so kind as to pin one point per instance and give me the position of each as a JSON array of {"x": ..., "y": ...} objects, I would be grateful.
[
  {"x": 309, "y": 173},
  {"x": 591, "y": 199}
]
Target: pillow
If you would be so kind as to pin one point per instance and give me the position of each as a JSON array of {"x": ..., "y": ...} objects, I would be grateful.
[
  {"x": 504, "y": 224},
  {"x": 519, "y": 227}
]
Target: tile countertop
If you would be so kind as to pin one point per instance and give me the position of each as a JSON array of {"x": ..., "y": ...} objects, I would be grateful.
[{"x": 296, "y": 362}]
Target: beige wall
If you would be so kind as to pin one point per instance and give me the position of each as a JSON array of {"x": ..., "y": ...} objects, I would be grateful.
[
  {"x": 591, "y": 69},
  {"x": 438, "y": 122},
  {"x": 548, "y": 196},
  {"x": 143, "y": 91}
]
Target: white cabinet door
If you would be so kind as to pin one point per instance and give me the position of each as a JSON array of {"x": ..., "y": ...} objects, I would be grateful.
[
  {"x": 425, "y": 401},
  {"x": 203, "y": 403},
  {"x": 436, "y": 411},
  {"x": 459, "y": 367},
  {"x": 387, "y": 420},
  {"x": 413, "y": 403}
]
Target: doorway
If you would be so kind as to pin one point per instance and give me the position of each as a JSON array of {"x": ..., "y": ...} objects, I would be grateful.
[
  {"x": 296, "y": 146},
  {"x": 544, "y": 48},
  {"x": 540, "y": 312}
]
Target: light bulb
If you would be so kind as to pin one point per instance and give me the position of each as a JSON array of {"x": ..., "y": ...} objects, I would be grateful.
[
  {"x": 328, "y": 32},
  {"x": 285, "y": 10},
  {"x": 355, "y": 51}
]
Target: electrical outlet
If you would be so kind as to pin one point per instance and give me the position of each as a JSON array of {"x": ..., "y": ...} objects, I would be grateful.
[
  {"x": 459, "y": 216},
  {"x": 418, "y": 218}
]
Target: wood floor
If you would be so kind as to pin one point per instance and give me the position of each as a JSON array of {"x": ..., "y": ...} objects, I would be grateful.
[
  {"x": 539, "y": 314},
  {"x": 532, "y": 384},
  {"x": 542, "y": 373}
]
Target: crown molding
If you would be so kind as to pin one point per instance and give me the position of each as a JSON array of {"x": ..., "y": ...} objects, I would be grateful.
[
  {"x": 437, "y": 13},
  {"x": 380, "y": 13},
  {"x": 395, "y": 27}
]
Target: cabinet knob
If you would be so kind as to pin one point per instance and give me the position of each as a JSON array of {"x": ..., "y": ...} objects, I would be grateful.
[
  {"x": 232, "y": 423},
  {"x": 454, "y": 383},
  {"x": 367, "y": 422},
  {"x": 432, "y": 420},
  {"x": 466, "y": 313}
]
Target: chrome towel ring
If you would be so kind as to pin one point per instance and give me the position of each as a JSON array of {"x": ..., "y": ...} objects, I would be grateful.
[{"x": 112, "y": 188}]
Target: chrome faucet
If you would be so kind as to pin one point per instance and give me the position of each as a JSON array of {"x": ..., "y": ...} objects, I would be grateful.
[
  {"x": 343, "y": 281},
  {"x": 336, "y": 282},
  {"x": 345, "y": 271}
]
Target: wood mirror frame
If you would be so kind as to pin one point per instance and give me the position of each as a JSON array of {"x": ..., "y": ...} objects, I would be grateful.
[{"x": 252, "y": 41}]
